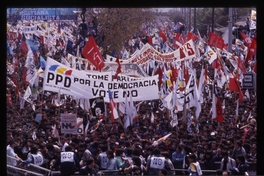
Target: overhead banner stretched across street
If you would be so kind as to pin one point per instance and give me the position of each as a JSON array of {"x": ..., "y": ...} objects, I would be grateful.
[
  {"x": 186, "y": 51},
  {"x": 81, "y": 84}
]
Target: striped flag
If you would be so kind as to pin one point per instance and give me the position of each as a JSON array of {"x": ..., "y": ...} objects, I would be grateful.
[
  {"x": 217, "y": 106},
  {"x": 160, "y": 140},
  {"x": 114, "y": 114},
  {"x": 94, "y": 128}
]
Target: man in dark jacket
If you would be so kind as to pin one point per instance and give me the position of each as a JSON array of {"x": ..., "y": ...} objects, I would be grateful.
[
  {"x": 67, "y": 161},
  {"x": 91, "y": 168}
]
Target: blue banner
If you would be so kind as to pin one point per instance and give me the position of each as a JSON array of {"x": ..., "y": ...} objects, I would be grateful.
[{"x": 41, "y": 14}]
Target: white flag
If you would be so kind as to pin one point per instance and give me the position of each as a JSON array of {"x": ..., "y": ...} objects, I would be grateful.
[{"x": 247, "y": 94}]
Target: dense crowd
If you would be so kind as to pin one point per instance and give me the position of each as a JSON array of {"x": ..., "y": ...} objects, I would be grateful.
[{"x": 111, "y": 147}]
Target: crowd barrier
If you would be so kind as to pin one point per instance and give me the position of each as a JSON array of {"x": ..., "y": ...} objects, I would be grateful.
[{"x": 35, "y": 170}]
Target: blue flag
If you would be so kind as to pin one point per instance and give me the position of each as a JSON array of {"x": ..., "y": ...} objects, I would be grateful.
[{"x": 42, "y": 62}]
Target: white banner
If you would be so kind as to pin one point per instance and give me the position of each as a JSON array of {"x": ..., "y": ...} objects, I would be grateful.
[
  {"x": 92, "y": 84},
  {"x": 69, "y": 123},
  {"x": 29, "y": 29},
  {"x": 186, "y": 51}
]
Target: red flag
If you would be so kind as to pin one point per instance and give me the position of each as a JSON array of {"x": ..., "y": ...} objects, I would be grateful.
[
  {"x": 114, "y": 114},
  {"x": 163, "y": 36},
  {"x": 217, "y": 107},
  {"x": 251, "y": 51},
  {"x": 192, "y": 36},
  {"x": 179, "y": 38},
  {"x": 219, "y": 111},
  {"x": 150, "y": 40},
  {"x": 92, "y": 53},
  {"x": 118, "y": 68},
  {"x": 174, "y": 73},
  {"x": 23, "y": 46},
  {"x": 241, "y": 65},
  {"x": 216, "y": 41},
  {"x": 247, "y": 39},
  {"x": 244, "y": 136},
  {"x": 235, "y": 86},
  {"x": 160, "y": 72}
]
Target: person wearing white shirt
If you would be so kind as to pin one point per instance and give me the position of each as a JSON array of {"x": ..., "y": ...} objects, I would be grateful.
[
  {"x": 227, "y": 163},
  {"x": 10, "y": 152}
]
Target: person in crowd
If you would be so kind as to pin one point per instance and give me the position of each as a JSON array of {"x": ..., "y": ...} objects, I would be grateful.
[
  {"x": 209, "y": 163},
  {"x": 136, "y": 164},
  {"x": 111, "y": 162},
  {"x": 26, "y": 148},
  {"x": 227, "y": 163},
  {"x": 166, "y": 154},
  {"x": 12, "y": 157},
  {"x": 102, "y": 158},
  {"x": 121, "y": 161},
  {"x": 186, "y": 150},
  {"x": 138, "y": 152},
  {"x": 93, "y": 148},
  {"x": 218, "y": 156},
  {"x": 91, "y": 168},
  {"x": 34, "y": 156},
  {"x": 253, "y": 155},
  {"x": 67, "y": 162},
  {"x": 85, "y": 156},
  {"x": 177, "y": 158},
  {"x": 238, "y": 150},
  {"x": 194, "y": 166},
  {"x": 156, "y": 162},
  {"x": 242, "y": 166}
]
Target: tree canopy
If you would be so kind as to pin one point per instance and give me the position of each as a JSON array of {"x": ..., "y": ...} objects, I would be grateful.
[{"x": 114, "y": 26}]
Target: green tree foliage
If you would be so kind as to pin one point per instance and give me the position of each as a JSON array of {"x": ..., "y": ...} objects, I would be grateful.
[{"x": 116, "y": 25}]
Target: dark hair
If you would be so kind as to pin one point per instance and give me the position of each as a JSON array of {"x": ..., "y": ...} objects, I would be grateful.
[
  {"x": 136, "y": 160},
  {"x": 241, "y": 158},
  {"x": 179, "y": 147},
  {"x": 129, "y": 151},
  {"x": 136, "y": 152},
  {"x": 104, "y": 148},
  {"x": 239, "y": 143},
  {"x": 111, "y": 153},
  {"x": 90, "y": 161},
  {"x": 119, "y": 152},
  {"x": 149, "y": 149},
  {"x": 156, "y": 151},
  {"x": 224, "y": 153},
  {"x": 68, "y": 148},
  {"x": 192, "y": 156},
  {"x": 34, "y": 149}
]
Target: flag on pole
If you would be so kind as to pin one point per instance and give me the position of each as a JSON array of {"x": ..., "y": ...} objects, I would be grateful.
[
  {"x": 247, "y": 94},
  {"x": 127, "y": 121},
  {"x": 92, "y": 54},
  {"x": 160, "y": 140},
  {"x": 118, "y": 70},
  {"x": 217, "y": 106},
  {"x": 114, "y": 114},
  {"x": 94, "y": 128}
]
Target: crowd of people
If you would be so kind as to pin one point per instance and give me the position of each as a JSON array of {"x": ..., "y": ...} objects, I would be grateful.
[{"x": 225, "y": 148}]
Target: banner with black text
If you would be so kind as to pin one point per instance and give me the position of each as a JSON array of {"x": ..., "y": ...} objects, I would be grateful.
[{"x": 92, "y": 84}]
